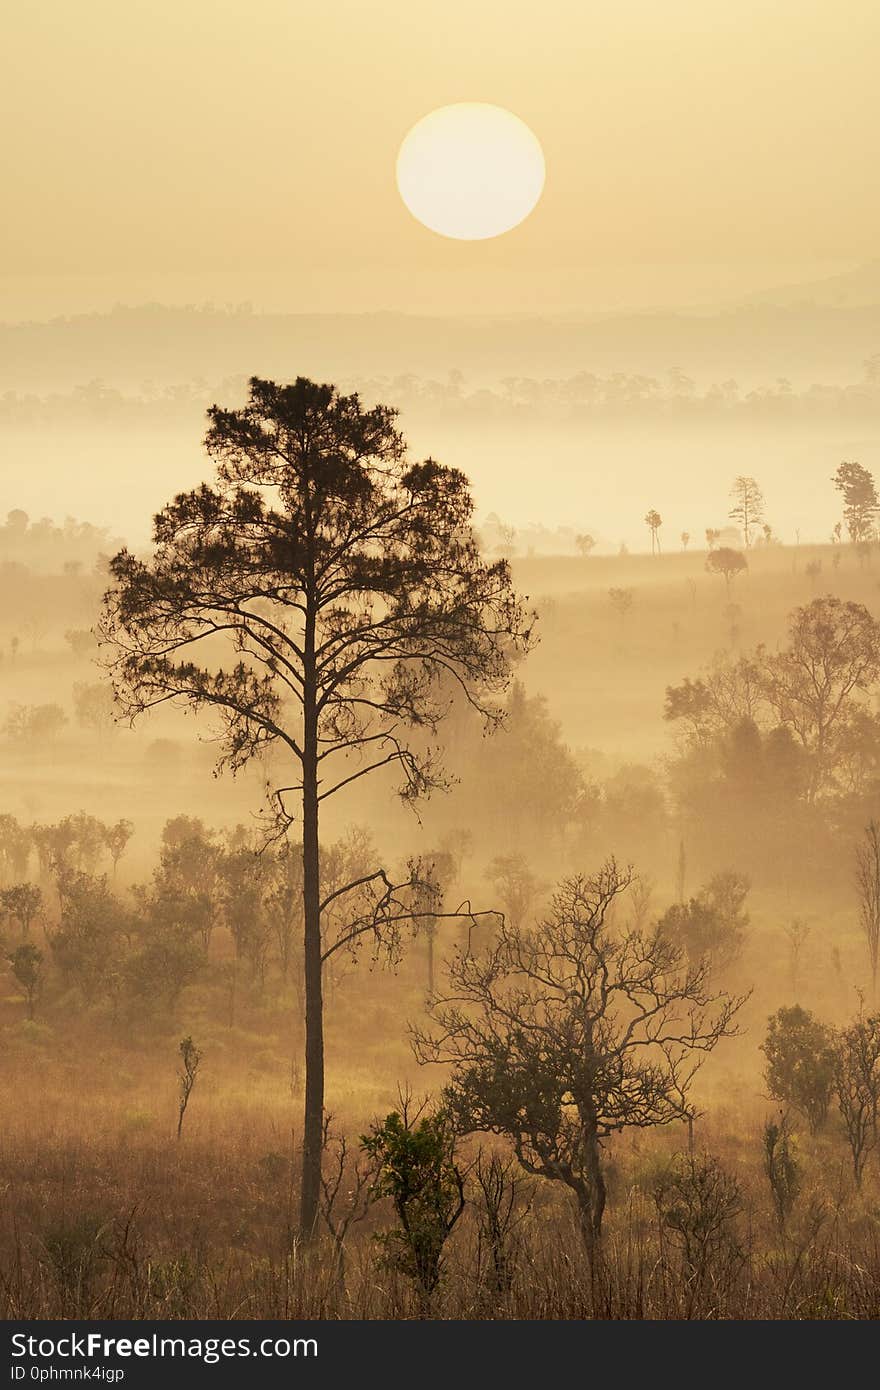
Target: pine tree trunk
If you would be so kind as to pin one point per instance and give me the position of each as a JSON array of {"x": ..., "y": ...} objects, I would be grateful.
[{"x": 313, "y": 1118}]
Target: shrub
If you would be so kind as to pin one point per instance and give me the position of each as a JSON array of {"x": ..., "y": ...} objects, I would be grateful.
[
  {"x": 415, "y": 1157},
  {"x": 800, "y": 1063},
  {"x": 782, "y": 1169},
  {"x": 698, "y": 1202}
]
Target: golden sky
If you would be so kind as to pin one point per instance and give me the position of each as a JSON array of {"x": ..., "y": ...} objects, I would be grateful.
[{"x": 221, "y": 149}]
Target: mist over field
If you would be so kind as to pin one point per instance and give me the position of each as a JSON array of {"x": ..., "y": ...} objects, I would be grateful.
[
  {"x": 677, "y": 760},
  {"x": 101, "y": 415}
]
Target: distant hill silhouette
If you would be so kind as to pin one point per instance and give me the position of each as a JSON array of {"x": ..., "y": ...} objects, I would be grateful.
[
  {"x": 824, "y": 339},
  {"x": 857, "y": 288}
]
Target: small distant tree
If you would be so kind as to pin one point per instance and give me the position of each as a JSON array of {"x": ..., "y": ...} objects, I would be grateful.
[
  {"x": 86, "y": 839},
  {"x": 561, "y": 1036},
  {"x": 748, "y": 506},
  {"x": 166, "y": 957},
  {"x": 621, "y": 601},
  {"x": 653, "y": 521},
  {"x": 516, "y": 887},
  {"x": 94, "y": 706},
  {"x": 52, "y": 844},
  {"x": 713, "y": 536},
  {"x": 191, "y": 1058},
  {"x": 712, "y": 926},
  {"x": 506, "y": 546},
  {"x": 188, "y": 886},
  {"x": 800, "y": 1063},
  {"x": 116, "y": 838},
  {"x": 86, "y": 946},
  {"x": 243, "y": 878},
  {"x": 22, "y": 902},
  {"x": 782, "y": 1168},
  {"x": 282, "y": 903},
  {"x": 415, "y": 1157},
  {"x": 27, "y": 967},
  {"x": 641, "y": 897},
  {"x": 857, "y": 1081},
  {"x": 868, "y": 882},
  {"x": 15, "y": 847},
  {"x": 813, "y": 570},
  {"x": 81, "y": 641},
  {"x": 685, "y": 539},
  {"x": 812, "y": 685},
  {"x": 728, "y": 563},
  {"x": 35, "y": 723},
  {"x": 856, "y": 486},
  {"x": 797, "y": 933},
  {"x": 585, "y": 544},
  {"x": 428, "y": 892}
]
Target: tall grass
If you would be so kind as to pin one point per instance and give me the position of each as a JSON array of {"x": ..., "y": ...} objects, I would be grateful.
[{"x": 132, "y": 1224}]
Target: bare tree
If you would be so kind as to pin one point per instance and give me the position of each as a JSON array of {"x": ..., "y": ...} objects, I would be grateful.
[
  {"x": 698, "y": 1203},
  {"x": 347, "y": 1178},
  {"x": 868, "y": 881},
  {"x": 503, "y": 1201},
  {"x": 561, "y": 1036},
  {"x": 857, "y": 1079}
]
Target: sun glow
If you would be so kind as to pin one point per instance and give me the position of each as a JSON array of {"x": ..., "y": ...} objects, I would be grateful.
[{"x": 470, "y": 171}]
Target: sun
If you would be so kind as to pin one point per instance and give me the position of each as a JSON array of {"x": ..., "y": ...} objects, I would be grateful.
[{"x": 470, "y": 171}]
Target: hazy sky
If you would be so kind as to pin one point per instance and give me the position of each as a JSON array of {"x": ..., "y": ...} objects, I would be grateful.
[{"x": 217, "y": 149}]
